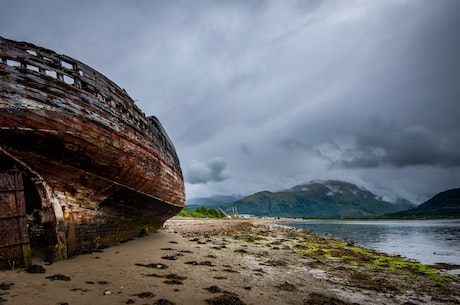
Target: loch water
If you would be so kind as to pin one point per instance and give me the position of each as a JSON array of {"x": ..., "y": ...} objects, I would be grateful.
[{"x": 427, "y": 241}]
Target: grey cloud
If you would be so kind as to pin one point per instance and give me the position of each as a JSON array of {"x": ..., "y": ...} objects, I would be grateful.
[
  {"x": 209, "y": 171},
  {"x": 294, "y": 81},
  {"x": 292, "y": 144},
  {"x": 387, "y": 144},
  {"x": 245, "y": 150}
]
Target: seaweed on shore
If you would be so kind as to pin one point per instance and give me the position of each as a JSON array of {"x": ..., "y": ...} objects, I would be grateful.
[
  {"x": 320, "y": 299},
  {"x": 225, "y": 299},
  {"x": 164, "y": 302},
  {"x": 153, "y": 265},
  {"x": 58, "y": 277},
  {"x": 340, "y": 263},
  {"x": 6, "y": 286}
]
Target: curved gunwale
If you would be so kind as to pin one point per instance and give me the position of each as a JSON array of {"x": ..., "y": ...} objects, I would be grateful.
[{"x": 58, "y": 86}]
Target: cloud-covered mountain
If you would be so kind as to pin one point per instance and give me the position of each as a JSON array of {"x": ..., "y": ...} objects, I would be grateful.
[{"x": 317, "y": 199}]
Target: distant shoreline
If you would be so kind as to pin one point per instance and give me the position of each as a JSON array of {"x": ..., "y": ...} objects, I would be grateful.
[{"x": 377, "y": 218}]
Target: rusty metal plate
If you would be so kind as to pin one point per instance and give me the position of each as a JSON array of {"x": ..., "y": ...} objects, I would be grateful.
[{"x": 13, "y": 223}]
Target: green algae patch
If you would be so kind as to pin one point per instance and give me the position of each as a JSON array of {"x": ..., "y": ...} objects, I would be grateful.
[
  {"x": 407, "y": 267},
  {"x": 364, "y": 264},
  {"x": 318, "y": 247}
]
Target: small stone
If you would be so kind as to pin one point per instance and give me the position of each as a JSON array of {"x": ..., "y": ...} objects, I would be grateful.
[
  {"x": 58, "y": 277},
  {"x": 35, "y": 269}
]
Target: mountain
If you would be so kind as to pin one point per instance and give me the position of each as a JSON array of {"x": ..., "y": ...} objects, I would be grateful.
[
  {"x": 444, "y": 204},
  {"x": 317, "y": 199}
]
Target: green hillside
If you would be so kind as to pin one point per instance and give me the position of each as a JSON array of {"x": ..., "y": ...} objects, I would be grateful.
[
  {"x": 444, "y": 204},
  {"x": 317, "y": 199}
]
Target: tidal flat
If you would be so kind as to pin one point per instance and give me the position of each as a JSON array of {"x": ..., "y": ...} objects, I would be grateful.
[{"x": 203, "y": 261}]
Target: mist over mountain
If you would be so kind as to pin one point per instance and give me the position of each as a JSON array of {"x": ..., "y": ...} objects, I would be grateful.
[
  {"x": 444, "y": 204},
  {"x": 213, "y": 200},
  {"x": 317, "y": 199},
  {"x": 403, "y": 204}
]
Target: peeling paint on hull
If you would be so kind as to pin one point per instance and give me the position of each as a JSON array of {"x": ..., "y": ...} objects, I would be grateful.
[{"x": 95, "y": 169}]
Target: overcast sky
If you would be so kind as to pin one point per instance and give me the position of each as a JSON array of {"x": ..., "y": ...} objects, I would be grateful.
[{"x": 264, "y": 95}]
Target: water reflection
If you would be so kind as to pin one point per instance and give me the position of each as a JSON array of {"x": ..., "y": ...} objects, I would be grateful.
[{"x": 428, "y": 241}]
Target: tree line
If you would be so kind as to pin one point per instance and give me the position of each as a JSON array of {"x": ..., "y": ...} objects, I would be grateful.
[{"x": 202, "y": 212}]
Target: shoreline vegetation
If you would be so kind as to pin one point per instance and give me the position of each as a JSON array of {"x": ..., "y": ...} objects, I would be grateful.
[
  {"x": 201, "y": 212},
  {"x": 234, "y": 262}
]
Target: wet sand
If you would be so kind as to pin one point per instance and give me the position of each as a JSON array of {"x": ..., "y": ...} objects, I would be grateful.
[{"x": 193, "y": 261}]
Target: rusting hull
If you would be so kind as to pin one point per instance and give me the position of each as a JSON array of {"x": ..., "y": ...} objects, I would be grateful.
[
  {"x": 13, "y": 243},
  {"x": 97, "y": 170}
]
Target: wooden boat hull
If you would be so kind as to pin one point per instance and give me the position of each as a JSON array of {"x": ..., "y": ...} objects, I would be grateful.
[{"x": 94, "y": 169}]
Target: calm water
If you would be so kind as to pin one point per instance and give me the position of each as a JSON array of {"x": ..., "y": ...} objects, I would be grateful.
[{"x": 427, "y": 241}]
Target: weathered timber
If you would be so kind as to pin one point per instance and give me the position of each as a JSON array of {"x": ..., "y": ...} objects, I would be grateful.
[{"x": 94, "y": 169}]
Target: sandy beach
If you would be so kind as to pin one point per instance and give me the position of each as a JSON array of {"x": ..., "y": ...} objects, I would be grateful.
[{"x": 193, "y": 261}]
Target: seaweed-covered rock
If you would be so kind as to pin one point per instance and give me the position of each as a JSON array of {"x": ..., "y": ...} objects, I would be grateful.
[{"x": 226, "y": 299}]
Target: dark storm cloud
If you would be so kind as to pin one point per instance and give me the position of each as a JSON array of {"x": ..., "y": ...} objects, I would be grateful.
[
  {"x": 204, "y": 172},
  {"x": 385, "y": 144},
  {"x": 283, "y": 91}
]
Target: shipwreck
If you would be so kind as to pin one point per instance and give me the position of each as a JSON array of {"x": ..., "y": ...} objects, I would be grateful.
[{"x": 81, "y": 166}]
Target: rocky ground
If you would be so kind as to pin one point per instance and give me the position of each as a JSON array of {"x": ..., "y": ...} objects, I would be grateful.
[{"x": 231, "y": 262}]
